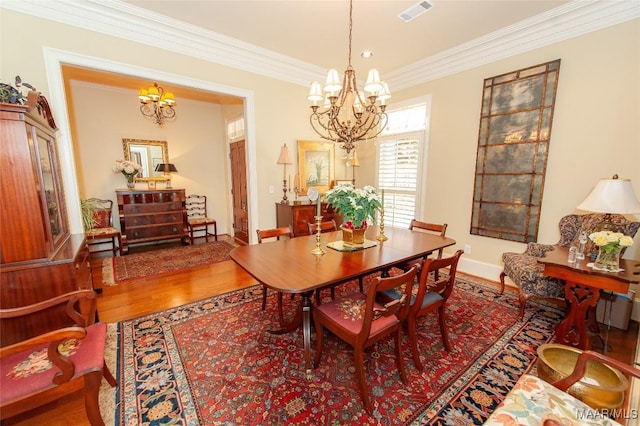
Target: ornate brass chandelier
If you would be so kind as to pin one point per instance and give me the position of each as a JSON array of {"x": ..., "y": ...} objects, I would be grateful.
[
  {"x": 348, "y": 115},
  {"x": 157, "y": 104}
]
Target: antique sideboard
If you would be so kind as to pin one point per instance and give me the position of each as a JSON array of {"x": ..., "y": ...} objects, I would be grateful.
[
  {"x": 299, "y": 216},
  {"x": 148, "y": 216}
]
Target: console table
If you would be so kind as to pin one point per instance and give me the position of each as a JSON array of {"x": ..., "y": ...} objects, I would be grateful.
[
  {"x": 582, "y": 291},
  {"x": 148, "y": 216},
  {"x": 300, "y": 215}
]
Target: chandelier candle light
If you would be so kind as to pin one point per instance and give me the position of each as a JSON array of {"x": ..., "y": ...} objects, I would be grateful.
[
  {"x": 348, "y": 115},
  {"x": 157, "y": 104}
]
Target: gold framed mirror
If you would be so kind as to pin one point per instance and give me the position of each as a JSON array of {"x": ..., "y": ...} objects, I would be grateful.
[{"x": 148, "y": 154}]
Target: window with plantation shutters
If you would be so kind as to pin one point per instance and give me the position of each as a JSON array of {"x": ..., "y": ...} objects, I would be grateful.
[
  {"x": 400, "y": 148},
  {"x": 398, "y": 176}
]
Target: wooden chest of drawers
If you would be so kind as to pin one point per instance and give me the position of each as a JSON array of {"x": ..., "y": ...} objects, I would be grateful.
[
  {"x": 151, "y": 215},
  {"x": 301, "y": 215}
]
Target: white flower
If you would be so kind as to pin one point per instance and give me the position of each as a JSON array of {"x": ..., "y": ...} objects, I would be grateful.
[
  {"x": 610, "y": 239},
  {"x": 127, "y": 168}
]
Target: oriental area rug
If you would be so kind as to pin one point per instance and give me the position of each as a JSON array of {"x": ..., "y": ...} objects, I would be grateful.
[
  {"x": 214, "y": 362},
  {"x": 137, "y": 265}
]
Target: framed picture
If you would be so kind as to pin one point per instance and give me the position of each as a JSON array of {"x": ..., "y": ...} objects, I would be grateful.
[
  {"x": 316, "y": 165},
  {"x": 513, "y": 144},
  {"x": 342, "y": 182},
  {"x": 151, "y": 184}
]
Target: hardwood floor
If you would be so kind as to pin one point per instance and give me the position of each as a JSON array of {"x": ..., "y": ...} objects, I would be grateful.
[{"x": 152, "y": 294}]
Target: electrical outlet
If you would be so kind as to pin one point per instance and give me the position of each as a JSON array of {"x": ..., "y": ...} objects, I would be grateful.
[
  {"x": 271, "y": 189},
  {"x": 467, "y": 248}
]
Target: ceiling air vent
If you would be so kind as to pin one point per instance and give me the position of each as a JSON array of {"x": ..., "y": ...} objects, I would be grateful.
[{"x": 414, "y": 11}]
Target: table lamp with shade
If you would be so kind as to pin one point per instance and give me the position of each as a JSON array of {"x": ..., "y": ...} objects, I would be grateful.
[
  {"x": 167, "y": 168},
  {"x": 611, "y": 196}
]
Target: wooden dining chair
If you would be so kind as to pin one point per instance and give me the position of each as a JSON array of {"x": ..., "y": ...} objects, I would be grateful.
[
  {"x": 360, "y": 320},
  {"x": 274, "y": 233},
  {"x": 327, "y": 226},
  {"x": 430, "y": 296},
  {"x": 102, "y": 230},
  {"x": 430, "y": 228},
  {"x": 198, "y": 220},
  {"x": 46, "y": 367}
]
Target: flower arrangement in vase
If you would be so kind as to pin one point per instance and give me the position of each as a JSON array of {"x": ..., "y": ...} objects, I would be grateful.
[
  {"x": 610, "y": 244},
  {"x": 129, "y": 169},
  {"x": 356, "y": 206}
]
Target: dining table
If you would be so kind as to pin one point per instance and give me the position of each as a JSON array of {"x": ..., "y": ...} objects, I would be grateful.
[{"x": 305, "y": 264}]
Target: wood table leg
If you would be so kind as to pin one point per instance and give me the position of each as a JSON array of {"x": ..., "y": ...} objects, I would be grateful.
[
  {"x": 306, "y": 332},
  {"x": 572, "y": 330},
  {"x": 303, "y": 316}
]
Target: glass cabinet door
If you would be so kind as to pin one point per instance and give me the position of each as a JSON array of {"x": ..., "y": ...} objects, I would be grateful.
[{"x": 50, "y": 190}]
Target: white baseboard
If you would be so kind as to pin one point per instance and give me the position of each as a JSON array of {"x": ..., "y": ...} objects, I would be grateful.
[{"x": 484, "y": 270}]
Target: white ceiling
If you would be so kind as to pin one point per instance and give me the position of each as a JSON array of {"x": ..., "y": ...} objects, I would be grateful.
[
  {"x": 316, "y": 32},
  {"x": 298, "y": 40}
]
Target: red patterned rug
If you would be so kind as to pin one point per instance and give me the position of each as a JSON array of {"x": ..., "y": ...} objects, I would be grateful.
[
  {"x": 214, "y": 363},
  {"x": 139, "y": 265}
]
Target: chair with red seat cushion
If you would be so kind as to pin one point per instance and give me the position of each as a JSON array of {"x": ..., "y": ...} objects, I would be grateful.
[
  {"x": 102, "y": 227},
  {"x": 44, "y": 368},
  {"x": 430, "y": 296},
  {"x": 360, "y": 321}
]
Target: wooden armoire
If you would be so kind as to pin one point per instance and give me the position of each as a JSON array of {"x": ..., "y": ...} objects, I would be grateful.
[{"x": 39, "y": 258}]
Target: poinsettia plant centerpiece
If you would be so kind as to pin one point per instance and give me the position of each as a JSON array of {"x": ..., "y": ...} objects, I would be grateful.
[{"x": 355, "y": 205}]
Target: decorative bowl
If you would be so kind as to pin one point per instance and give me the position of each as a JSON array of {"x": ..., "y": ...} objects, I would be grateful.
[{"x": 602, "y": 387}]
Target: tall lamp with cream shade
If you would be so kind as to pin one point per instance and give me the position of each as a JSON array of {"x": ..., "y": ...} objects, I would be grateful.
[
  {"x": 284, "y": 160},
  {"x": 611, "y": 196}
]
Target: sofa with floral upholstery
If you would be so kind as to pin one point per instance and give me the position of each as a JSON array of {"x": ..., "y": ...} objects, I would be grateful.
[{"x": 525, "y": 271}]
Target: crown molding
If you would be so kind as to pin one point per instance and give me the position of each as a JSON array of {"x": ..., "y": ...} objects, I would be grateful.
[
  {"x": 119, "y": 19},
  {"x": 568, "y": 21}
]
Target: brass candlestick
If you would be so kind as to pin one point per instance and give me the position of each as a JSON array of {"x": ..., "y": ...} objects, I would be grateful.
[
  {"x": 381, "y": 236},
  {"x": 296, "y": 191},
  {"x": 318, "y": 250},
  {"x": 285, "y": 189}
]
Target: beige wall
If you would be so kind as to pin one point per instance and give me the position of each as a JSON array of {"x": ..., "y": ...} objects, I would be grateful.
[
  {"x": 106, "y": 115},
  {"x": 595, "y": 132}
]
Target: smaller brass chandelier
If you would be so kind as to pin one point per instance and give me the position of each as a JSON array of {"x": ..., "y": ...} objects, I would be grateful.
[
  {"x": 157, "y": 104},
  {"x": 348, "y": 116}
]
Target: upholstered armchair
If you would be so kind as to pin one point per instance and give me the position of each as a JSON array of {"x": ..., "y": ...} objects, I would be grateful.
[{"x": 525, "y": 271}]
